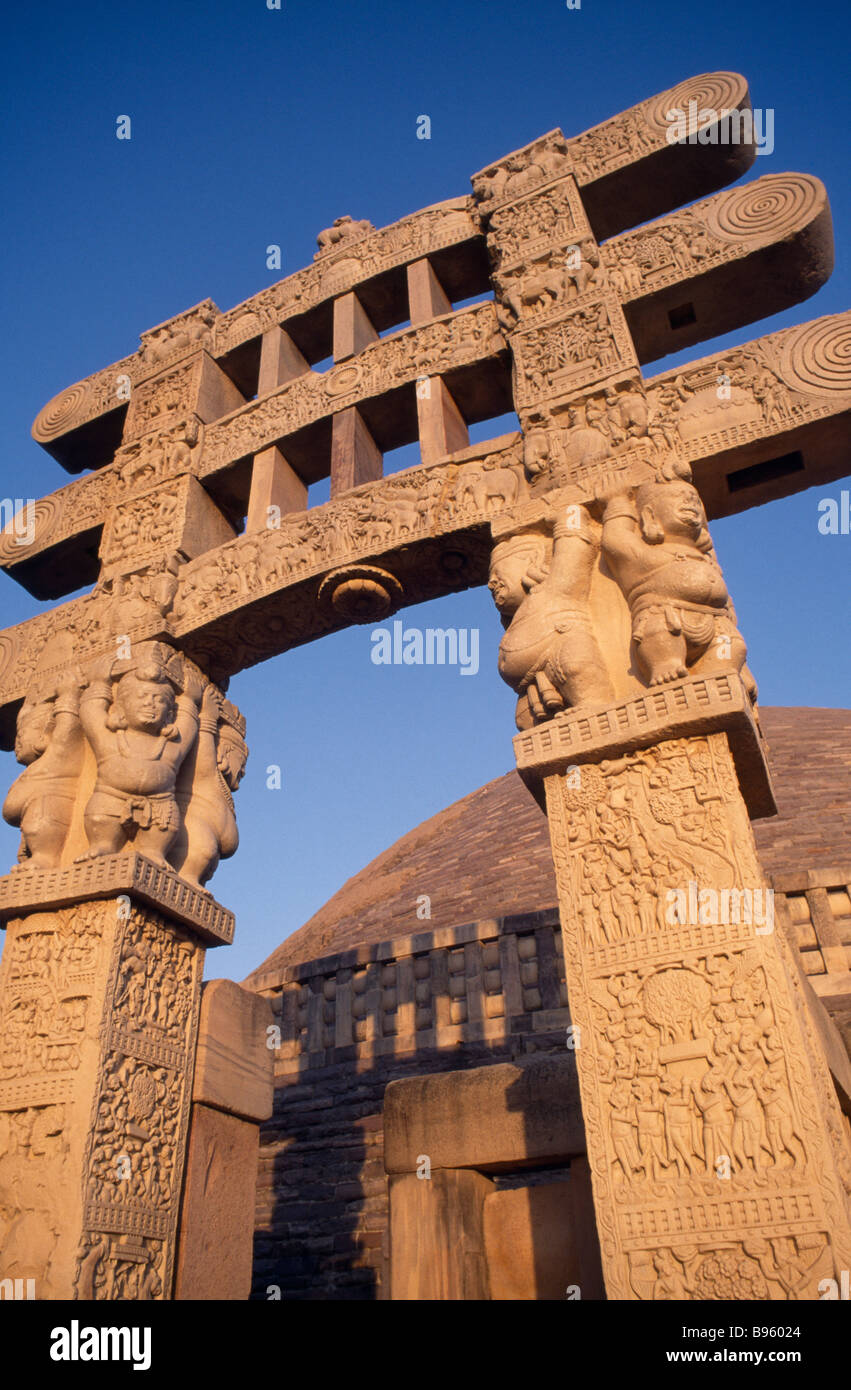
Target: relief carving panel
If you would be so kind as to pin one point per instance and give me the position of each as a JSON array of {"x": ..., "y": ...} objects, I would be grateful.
[{"x": 704, "y": 1108}]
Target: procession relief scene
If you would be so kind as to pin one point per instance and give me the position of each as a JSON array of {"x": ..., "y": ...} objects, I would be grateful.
[
  {"x": 50, "y": 988},
  {"x": 137, "y": 1132},
  {"x": 780, "y": 383}
]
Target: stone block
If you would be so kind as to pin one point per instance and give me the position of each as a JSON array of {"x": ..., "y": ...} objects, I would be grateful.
[
  {"x": 490, "y": 1118},
  {"x": 426, "y": 297},
  {"x": 114, "y": 875},
  {"x": 442, "y": 428},
  {"x": 217, "y": 1215},
  {"x": 353, "y": 330},
  {"x": 234, "y": 1067},
  {"x": 833, "y": 1044},
  {"x": 280, "y": 360},
  {"x": 437, "y": 1236},
  {"x": 542, "y": 1241},
  {"x": 355, "y": 456},
  {"x": 273, "y": 484}
]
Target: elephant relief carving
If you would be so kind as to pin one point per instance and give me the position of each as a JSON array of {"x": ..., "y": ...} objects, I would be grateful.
[
  {"x": 549, "y": 653},
  {"x": 565, "y": 276},
  {"x": 485, "y": 489},
  {"x": 342, "y": 229}
]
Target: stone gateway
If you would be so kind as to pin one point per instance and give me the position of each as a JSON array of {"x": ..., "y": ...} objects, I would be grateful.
[{"x": 698, "y": 1118}]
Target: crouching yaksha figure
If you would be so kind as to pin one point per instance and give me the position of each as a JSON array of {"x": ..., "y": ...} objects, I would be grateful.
[
  {"x": 141, "y": 719},
  {"x": 549, "y": 653},
  {"x": 657, "y": 544}
]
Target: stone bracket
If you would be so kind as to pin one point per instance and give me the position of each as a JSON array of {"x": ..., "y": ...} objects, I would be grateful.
[
  {"x": 704, "y": 705},
  {"x": 43, "y": 890}
]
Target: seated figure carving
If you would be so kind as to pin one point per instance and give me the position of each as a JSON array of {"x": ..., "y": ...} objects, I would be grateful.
[{"x": 343, "y": 229}]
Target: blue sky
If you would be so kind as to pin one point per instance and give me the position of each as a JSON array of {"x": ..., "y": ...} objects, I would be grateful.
[{"x": 253, "y": 126}]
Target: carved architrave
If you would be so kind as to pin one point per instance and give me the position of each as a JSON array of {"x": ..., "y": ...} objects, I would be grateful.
[
  {"x": 370, "y": 520},
  {"x": 451, "y": 341},
  {"x": 664, "y": 253},
  {"x": 341, "y": 269},
  {"x": 778, "y": 383},
  {"x": 695, "y": 240},
  {"x": 421, "y": 234},
  {"x": 405, "y": 510},
  {"x": 644, "y": 129},
  {"x": 98, "y": 394}
]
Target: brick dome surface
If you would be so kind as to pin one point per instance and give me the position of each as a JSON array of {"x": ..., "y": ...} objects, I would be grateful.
[{"x": 488, "y": 854}]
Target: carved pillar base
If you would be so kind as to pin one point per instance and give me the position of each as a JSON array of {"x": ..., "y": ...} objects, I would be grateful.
[
  {"x": 100, "y": 987},
  {"x": 720, "y": 1159}
]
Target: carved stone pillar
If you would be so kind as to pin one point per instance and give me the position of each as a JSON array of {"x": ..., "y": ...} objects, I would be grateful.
[
  {"x": 125, "y": 809},
  {"x": 99, "y": 1001},
  {"x": 719, "y": 1153},
  {"x": 720, "y": 1159}
]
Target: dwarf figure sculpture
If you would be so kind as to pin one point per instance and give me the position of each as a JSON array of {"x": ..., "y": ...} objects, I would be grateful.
[
  {"x": 549, "y": 653},
  {"x": 50, "y": 742},
  {"x": 210, "y": 775},
  {"x": 141, "y": 719},
  {"x": 656, "y": 542}
]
